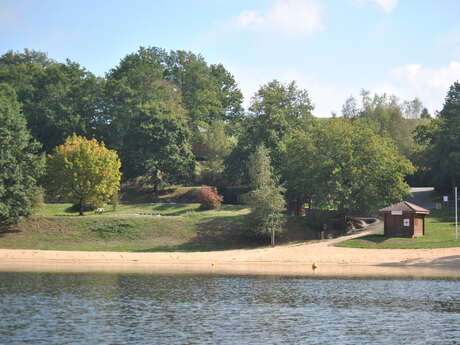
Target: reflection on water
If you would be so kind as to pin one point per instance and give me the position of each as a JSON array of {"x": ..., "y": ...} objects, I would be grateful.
[{"x": 137, "y": 309}]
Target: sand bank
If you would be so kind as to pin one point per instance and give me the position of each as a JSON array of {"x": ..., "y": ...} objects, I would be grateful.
[{"x": 286, "y": 260}]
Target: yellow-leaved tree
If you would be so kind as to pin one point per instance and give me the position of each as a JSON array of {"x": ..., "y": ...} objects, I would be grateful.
[{"x": 84, "y": 172}]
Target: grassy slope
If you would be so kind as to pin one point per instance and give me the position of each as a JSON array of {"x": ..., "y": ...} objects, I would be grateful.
[
  {"x": 181, "y": 228},
  {"x": 439, "y": 233},
  {"x": 123, "y": 209}
]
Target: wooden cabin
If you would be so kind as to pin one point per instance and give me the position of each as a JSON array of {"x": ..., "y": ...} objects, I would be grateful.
[{"x": 404, "y": 219}]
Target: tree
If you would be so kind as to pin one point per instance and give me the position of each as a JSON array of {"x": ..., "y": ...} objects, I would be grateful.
[
  {"x": 213, "y": 146},
  {"x": 20, "y": 164},
  {"x": 229, "y": 94},
  {"x": 209, "y": 92},
  {"x": 350, "y": 108},
  {"x": 57, "y": 99},
  {"x": 158, "y": 139},
  {"x": 413, "y": 109},
  {"x": 387, "y": 116},
  {"x": 276, "y": 109},
  {"x": 266, "y": 199},
  {"x": 343, "y": 165},
  {"x": 439, "y": 140},
  {"x": 425, "y": 114},
  {"x": 83, "y": 171}
]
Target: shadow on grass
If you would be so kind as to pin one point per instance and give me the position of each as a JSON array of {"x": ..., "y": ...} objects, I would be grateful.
[
  {"x": 216, "y": 233},
  {"x": 180, "y": 210},
  {"x": 4, "y": 232},
  {"x": 233, "y": 232},
  {"x": 378, "y": 238}
]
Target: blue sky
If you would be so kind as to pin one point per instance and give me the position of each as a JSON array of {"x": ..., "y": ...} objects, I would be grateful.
[{"x": 332, "y": 48}]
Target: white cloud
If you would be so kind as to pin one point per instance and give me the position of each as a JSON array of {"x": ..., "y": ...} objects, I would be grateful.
[
  {"x": 427, "y": 83},
  {"x": 326, "y": 97},
  {"x": 289, "y": 17},
  {"x": 386, "y": 5}
]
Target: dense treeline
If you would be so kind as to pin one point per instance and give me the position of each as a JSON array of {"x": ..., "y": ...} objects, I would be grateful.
[{"x": 175, "y": 118}]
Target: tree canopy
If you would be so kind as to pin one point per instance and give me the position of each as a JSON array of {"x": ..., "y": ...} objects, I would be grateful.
[
  {"x": 21, "y": 165},
  {"x": 83, "y": 171},
  {"x": 438, "y": 155},
  {"x": 387, "y": 116},
  {"x": 276, "y": 109},
  {"x": 57, "y": 99},
  {"x": 152, "y": 99},
  {"x": 346, "y": 166}
]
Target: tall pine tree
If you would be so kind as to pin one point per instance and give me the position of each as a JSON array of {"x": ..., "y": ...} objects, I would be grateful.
[{"x": 20, "y": 165}]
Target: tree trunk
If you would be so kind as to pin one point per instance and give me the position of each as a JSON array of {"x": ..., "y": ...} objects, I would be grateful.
[
  {"x": 81, "y": 208},
  {"x": 300, "y": 208},
  {"x": 273, "y": 237},
  {"x": 291, "y": 207}
]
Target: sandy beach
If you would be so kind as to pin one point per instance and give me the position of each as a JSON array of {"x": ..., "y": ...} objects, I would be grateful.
[{"x": 286, "y": 260}]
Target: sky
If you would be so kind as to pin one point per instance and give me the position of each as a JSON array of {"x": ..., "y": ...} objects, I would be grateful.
[{"x": 332, "y": 48}]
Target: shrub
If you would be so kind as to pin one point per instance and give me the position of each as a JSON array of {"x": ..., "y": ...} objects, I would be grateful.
[{"x": 209, "y": 198}]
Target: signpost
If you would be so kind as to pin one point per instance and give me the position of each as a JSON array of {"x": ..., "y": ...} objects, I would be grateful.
[{"x": 456, "y": 216}]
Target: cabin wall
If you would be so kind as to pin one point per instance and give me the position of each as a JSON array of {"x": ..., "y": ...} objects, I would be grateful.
[
  {"x": 394, "y": 225},
  {"x": 418, "y": 226}
]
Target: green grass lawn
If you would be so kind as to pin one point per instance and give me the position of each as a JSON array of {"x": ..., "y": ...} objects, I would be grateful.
[
  {"x": 123, "y": 209},
  {"x": 135, "y": 227},
  {"x": 439, "y": 233}
]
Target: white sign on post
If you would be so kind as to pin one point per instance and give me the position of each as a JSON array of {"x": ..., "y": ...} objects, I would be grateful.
[
  {"x": 406, "y": 222},
  {"x": 445, "y": 198}
]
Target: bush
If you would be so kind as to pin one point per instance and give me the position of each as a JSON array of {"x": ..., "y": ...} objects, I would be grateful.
[{"x": 209, "y": 198}]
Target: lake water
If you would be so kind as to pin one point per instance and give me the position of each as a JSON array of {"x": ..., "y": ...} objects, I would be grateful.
[{"x": 145, "y": 309}]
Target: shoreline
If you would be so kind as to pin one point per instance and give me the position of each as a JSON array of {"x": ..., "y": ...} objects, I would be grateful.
[{"x": 295, "y": 260}]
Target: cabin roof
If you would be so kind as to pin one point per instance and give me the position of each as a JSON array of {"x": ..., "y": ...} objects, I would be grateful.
[{"x": 405, "y": 206}]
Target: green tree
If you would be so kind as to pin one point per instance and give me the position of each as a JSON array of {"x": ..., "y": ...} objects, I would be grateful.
[
  {"x": 276, "y": 110},
  {"x": 425, "y": 114},
  {"x": 413, "y": 109},
  {"x": 213, "y": 145},
  {"x": 343, "y": 165},
  {"x": 439, "y": 140},
  {"x": 147, "y": 123},
  {"x": 350, "y": 108},
  {"x": 57, "y": 99},
  {"x": 20, "y": 164},
  {"x": 266, "y": 199},
  {"x": 209, "y": 92},
  {"x": 158, "y": 139},
  {"x": 229, "y": 94},
  {"x": 83, "y": 171},
  {"x": 387, "y": 116}
]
